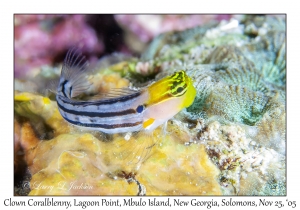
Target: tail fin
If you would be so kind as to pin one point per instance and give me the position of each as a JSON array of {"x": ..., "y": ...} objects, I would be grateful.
[{"x": 73, "y": 79}]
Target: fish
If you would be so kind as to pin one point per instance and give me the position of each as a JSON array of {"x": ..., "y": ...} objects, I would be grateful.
[{"x": 120, "y": 110}]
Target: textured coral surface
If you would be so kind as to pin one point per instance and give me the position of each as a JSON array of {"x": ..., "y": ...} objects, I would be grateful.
[{"x": 82, "y": 159}]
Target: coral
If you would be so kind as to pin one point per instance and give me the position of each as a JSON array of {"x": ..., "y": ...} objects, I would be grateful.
[
  {"x": 271, "y": 130},
  {"x": 184, "y": 170},
  {"x": 24, "y": 19},
  {"x": 185, "y": 45},
  {"x": 104, "y": 82},
  {"x": 236, "y": 69},
  {"x": 274, "y": 70},
  {"x": 236, "y": 104},
  {"x": 167, "y": 46},
  {"x": 109, "y": 167},
  {"x": 25, "y": 142},
  {"x": 269, "y": 44},
  {"x": 148, "y": 26},
  {"x": 39, "y": 37},
  {"x": 274, "y": 188},
  {"x": 245, "y": 167},
  {"x": 52, "y": 174},
  {"x": 267, "y": 169},
  {"x": 41, "y": 111}
]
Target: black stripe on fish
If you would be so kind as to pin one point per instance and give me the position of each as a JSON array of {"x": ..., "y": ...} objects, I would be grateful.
[
  {"x": 97, "y": 114},
  {"x": 102, "y": 101},
  {"x": 73, "y": 72},
  {"x": 63, "y": 87},
  {"x": 105, "y": 126},
  {"x": 70, "y": 92}
]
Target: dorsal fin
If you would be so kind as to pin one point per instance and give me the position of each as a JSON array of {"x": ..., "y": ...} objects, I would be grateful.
[
  {"x": 51, "y": 86},
  {"x": 74, "y": 63},
  {"x": 113, "y": 93},
  {"x": 73, "y": 80}
]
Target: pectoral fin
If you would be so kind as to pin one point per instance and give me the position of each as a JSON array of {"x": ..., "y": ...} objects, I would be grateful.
[{"x": 148, "y": 122}]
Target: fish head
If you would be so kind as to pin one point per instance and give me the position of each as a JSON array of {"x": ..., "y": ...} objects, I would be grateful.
[
  {"x": 167, "y": 97},
  {"x": 176, "y": 86}
]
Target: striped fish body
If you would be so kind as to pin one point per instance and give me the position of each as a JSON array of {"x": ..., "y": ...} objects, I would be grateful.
[{"x": 117, "y": 115}]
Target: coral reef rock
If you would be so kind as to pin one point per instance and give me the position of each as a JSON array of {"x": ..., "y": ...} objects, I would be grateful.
[{"x": 81, "y": 164}]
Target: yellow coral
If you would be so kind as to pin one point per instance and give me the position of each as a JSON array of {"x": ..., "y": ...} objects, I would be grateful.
[
  {"x": 176, "y": 169},
  {"x": 73, "y": 165},
  {"x": 30, "y": 105},
  {"x": 103, "y": 83},
  {"x": 171, "y": 169}
]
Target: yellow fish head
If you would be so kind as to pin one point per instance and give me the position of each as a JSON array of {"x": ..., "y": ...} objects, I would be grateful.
[
  {"x": 178, "y": 85},
  {"x": 167, "y": 97}
]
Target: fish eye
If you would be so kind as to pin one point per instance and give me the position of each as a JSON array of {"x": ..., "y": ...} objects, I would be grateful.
[
  {"x": 179, "y": 89},
  {"x": 140, "y": 108}
]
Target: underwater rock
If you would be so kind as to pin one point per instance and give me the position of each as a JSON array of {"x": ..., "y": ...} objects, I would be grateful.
[
  {"x": 104, "y": 82},
  {"x": 241, "y": 160},
  {"x": 139, "y": 24},
  {"x": 72, "y": 164},
  {"x": 271, "y": 130},
  {"x": 42, "y": 112},
  {"x": 81, "y": 164},
  {"x": 25, "y": 142},
  {"x": 18, "y": 153},
  {"x": 265, "y": 168},
  {"x": 183, "y": 170},
  {"x": 26, "y": 137},
  {"x": 268, "y": 49}
]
